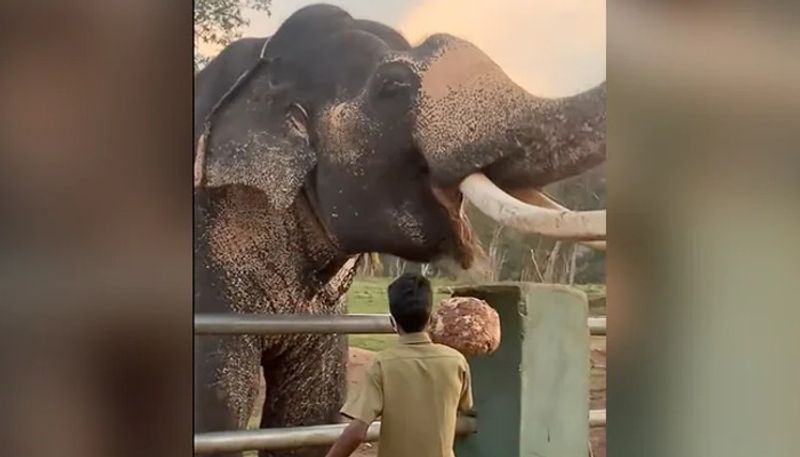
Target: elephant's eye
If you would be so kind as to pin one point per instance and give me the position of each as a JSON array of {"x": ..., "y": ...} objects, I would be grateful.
[{"x": 391, "y": 87}]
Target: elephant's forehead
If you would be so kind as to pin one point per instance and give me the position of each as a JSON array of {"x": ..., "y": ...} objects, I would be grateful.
[
  {"x": 464, "y": 98},
  {"x": 457, "y": 64},
  {"x": 402, "y": 57}
]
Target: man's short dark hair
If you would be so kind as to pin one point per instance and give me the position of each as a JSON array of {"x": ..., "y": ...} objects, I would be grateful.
[{"x": 411, "y": 302}]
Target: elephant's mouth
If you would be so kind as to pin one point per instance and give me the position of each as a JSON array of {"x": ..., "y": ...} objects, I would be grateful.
[
  {"x": 526, "y": 209},
  {"x": 452, "y": 200}
]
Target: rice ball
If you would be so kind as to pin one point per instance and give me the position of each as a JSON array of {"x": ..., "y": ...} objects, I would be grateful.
[{"x": 466, "y": 324}]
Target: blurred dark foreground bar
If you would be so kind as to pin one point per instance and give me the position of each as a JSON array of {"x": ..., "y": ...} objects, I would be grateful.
[
  {"x": 95, "y": 231},
  {"x": 704, "y": 221}
]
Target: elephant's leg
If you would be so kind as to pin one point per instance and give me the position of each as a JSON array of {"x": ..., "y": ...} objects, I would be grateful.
[
  {"x": 305, "y": 386},
  {"x": 226, "y": 382}
]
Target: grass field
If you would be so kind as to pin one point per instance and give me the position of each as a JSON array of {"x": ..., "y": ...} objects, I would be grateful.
[{"x": 368, "y": 296}]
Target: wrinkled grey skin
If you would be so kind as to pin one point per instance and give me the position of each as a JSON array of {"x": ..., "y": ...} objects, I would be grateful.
[{"x": 345, "y": 141}]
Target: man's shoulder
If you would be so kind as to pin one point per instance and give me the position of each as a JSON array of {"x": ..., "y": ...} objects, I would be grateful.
[
  {"x": 385, "y": 354},
  {"x": 433, "y": 349},
  {"x": 447, "y": 351}
]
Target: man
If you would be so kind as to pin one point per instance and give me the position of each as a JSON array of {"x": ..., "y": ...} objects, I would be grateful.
[{"x": 416, "y": 387}]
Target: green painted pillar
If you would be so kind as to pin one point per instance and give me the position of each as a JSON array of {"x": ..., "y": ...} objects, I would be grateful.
[{"x": 532, "y": 394}]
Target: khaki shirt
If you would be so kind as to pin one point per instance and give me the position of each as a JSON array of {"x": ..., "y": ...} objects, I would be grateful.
[{"x": 417, "y": 388}]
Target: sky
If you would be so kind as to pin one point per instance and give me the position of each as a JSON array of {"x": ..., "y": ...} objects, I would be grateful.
[{"x": 549, "y": 47}]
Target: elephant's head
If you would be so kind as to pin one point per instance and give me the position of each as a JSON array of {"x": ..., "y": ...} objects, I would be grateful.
[{"x": 385, "y": 139}]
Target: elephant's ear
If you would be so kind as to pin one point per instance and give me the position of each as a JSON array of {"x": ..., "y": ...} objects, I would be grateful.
[{"x": 256, "y": 137}]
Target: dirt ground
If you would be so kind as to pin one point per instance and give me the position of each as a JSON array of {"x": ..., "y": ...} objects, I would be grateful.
[
  {"x": 597, "y": 393},
  {"x": 360, "y": 360}
]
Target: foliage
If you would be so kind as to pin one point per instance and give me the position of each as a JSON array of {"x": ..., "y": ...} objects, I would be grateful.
[{"x": 219, "y": 22}]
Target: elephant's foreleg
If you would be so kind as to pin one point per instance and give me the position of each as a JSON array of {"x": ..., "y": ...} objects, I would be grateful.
[
  {"x": 305, "y": 386},
  {"x": 226, "y": 382}
]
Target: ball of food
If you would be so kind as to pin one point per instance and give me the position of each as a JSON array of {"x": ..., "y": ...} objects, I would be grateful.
[{"x": 466, "y": 324}]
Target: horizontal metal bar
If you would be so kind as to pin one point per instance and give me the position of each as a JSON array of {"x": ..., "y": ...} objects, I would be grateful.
[
  {"x": 597, "y": 325},
  {"x": 597, "y": 418},
  {"x": 270, "y": 439},
  {"x": 266, "y": 324}
]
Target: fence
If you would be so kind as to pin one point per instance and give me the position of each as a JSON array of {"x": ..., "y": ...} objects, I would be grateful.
[
  {"x": 539, "y": 379},
  {"x": 292, "y": 437},
  {"x": 237, "y": 324}
]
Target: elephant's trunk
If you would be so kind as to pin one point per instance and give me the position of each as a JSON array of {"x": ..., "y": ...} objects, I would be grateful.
[
  {"x": 552, "y": 140},
  {"x": 471, "y": 118}
]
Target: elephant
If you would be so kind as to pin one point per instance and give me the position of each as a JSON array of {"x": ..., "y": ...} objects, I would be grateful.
[{"x": 334, "y": 138}]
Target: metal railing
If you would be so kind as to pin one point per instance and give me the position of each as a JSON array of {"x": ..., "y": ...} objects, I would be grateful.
[
  {"x": 272, "y": 439},
  {"x": 274, "y": 324},
  {"x": 597, "y": 325},
  {"x": 597, "y": 418}
]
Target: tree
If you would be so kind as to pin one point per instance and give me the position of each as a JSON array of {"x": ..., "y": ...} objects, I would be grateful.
[{"x": 219, "y": 22}]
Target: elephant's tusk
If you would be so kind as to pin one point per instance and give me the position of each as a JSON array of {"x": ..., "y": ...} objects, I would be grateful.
[
  {"x": 536, "y": 197},
  {"x": 507, "y": 210}
]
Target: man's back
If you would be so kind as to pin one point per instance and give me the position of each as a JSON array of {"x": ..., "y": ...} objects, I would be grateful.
[{"x": 418, "y": 388}]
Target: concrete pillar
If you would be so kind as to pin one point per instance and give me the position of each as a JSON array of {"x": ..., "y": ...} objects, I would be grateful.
[{"x": 532, "y": 394}]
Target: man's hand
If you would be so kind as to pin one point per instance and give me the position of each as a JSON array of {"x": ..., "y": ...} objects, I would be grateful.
[{"x": 353, "y": 435}]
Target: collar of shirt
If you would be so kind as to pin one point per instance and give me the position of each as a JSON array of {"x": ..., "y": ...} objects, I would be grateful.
[{"x": 414, "y": 338}]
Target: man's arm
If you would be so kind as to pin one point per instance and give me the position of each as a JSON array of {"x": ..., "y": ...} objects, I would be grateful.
[
  {"x": 362, "y": 408},
  {"x": 353, "y": 435},
  {"x": 465, "y": 404}
]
